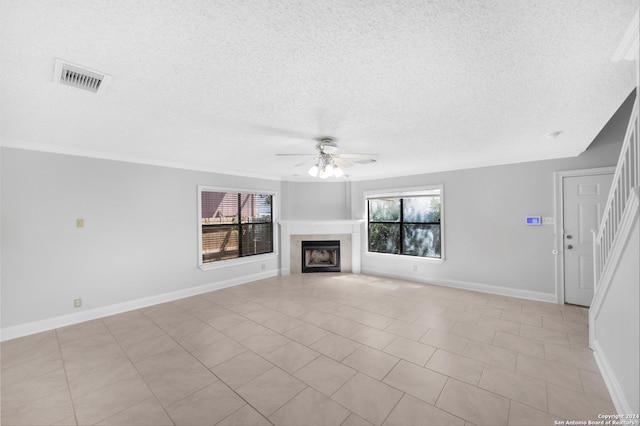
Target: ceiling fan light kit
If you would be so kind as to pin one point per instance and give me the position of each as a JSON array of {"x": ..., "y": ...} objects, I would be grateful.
[
  {"x": 314, "y": 170},
  {"x": 325, "y": 167},
  {"x": 329, "y": 164}
]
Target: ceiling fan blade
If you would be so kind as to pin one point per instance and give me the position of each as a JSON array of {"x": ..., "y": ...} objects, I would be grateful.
[
  {"x": 365, "y": 161},
  {"x": 312, "y": 161},
  {"x": 281, "y": 132},
  {"x": 295, "y": 155},
  {"x": 341, "y": 162},
  {"x": 372, "y": 156},
  {"x": 361, "y": 158}
]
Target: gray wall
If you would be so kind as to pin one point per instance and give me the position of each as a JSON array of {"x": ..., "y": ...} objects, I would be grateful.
[
  {"x": 616, "y": 327},
  {"x": 319, "y": 200},
  {"x": 140, "y": 237},
  {"x": 486, "y": 240}
]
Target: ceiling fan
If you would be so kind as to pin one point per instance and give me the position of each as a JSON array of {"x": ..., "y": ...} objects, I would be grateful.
[{"x": 327, "y": 163}]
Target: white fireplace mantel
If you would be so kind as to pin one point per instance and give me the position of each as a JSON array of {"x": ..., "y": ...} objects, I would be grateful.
[{"x": 318, "y": 227}]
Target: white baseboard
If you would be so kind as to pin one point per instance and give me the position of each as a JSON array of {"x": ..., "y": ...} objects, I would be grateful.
[
  {"x": 467, "y": 285},
  {"x": 617, "y": 395},
  {"x": 21, "y": 330}
]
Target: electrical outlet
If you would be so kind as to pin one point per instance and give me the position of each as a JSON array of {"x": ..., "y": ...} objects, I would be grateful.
[
  {"x": 548, "y": 220},
  {"x": 77, "y": 303},
  {"x": 415, "y": 268},
  {"x": 263, "y": 266}
]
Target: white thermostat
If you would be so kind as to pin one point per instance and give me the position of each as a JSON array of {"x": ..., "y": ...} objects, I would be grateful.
[{"x": 534, "y": 220}]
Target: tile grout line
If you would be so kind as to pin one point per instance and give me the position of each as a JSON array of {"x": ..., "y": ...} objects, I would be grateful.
[
  {"x": 369, "y": 297},
  {"x": 137, "y": 371},
  {"x": 16, "y": 383},
  {"x": 66, "y": 376},
  {"x": 219, "y": 378},
  {"x": 211, "y": 371},
  {"x": 240, "y": 408},
  {"x": 394, "y": 407},
  {"x": 259, "y": 355},
  {"x": 440, "y": 394}
]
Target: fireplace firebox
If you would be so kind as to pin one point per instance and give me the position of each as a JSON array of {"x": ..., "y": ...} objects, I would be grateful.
[{"x": 320, "y": 256}]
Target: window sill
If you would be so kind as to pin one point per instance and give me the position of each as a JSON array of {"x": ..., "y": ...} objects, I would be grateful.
[
  {"x": 230, "y": 263},
  {"x": 404, "y": 258}
]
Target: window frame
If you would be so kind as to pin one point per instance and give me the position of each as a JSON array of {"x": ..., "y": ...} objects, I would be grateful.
[
  {"x": 406, "y": 193},
  {"x": 256, "y": 258}
]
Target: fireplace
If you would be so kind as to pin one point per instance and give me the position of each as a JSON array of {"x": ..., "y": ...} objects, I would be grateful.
[
  {"x": 294, "y": 232},
  {"x": 321, "y": 256}
]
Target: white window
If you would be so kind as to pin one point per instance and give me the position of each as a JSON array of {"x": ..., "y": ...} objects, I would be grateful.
[
  {"x": 406, "y": 223},
  {"x": 234, "y": 224}
]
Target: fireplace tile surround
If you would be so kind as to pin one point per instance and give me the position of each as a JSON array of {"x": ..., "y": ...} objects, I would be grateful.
[{"x": 293, "y": 232}]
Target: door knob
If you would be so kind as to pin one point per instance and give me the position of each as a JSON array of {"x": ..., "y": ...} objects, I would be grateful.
[
  {"x": 569, "y": 237},
  {"x": 569, "y": 246}
]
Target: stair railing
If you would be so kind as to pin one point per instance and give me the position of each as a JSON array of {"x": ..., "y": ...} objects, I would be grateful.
[{"x": 625, "y": 179}]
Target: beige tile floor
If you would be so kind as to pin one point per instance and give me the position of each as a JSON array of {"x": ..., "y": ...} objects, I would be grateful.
[{"x": 312, "y": 349}]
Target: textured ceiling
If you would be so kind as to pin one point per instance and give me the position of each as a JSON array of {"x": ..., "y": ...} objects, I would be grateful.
[{"x": 428, "y": 85}]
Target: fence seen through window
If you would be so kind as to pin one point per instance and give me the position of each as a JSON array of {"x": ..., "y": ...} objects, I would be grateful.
[{"x": 235, "y": 224}]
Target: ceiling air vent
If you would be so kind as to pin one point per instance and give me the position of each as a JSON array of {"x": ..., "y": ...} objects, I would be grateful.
[{"x": 80, "y": 77}]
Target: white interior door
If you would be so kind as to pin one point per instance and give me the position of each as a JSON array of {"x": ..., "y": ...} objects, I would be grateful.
[{"x": 584, "y": 200}]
